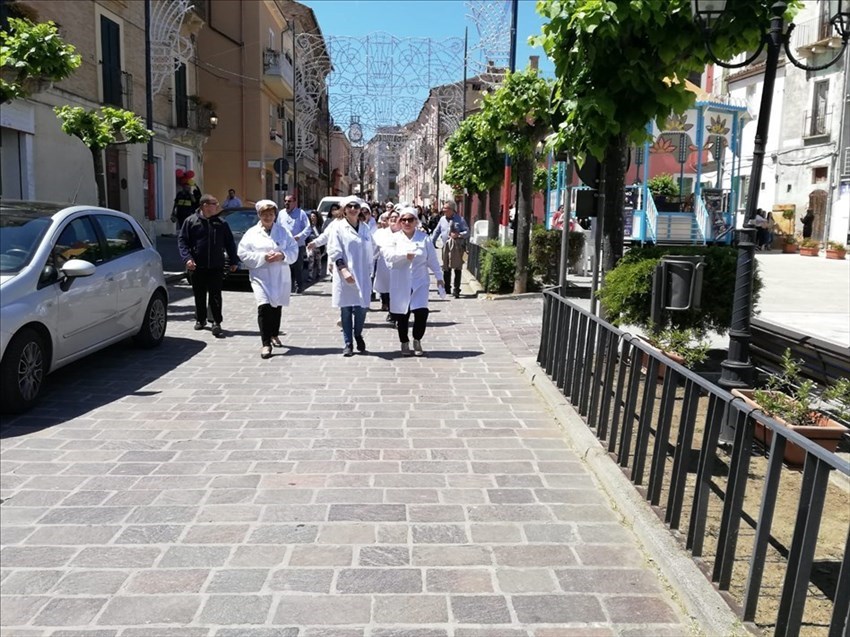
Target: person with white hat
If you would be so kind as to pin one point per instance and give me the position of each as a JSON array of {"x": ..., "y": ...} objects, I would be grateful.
[
  {"x": 409, "y": 256},
  {"x": 351, "y": 253},
  {"x": 383, "y": 238},
  {"x": 267, "y": 250}
]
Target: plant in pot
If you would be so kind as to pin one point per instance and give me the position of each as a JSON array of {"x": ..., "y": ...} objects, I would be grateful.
[
  {"x": 835, "y": 250},
  {"x": 789, "y": 244},
  {"x": 809, "y": 247},
  {"x": 664, "y": 189},
  {"x": 791, "y": 400},
  {"x": 686, "y": 346}
]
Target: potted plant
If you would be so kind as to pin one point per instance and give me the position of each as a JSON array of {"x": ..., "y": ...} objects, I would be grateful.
[
  {"x": 687, "y": 346},
  {"x": 809, "y": 247},
  {"x": 791, "y": 401},
  {"x": 835, "y": 250},
  {"x": 789, "y": 245},
  {"x": 664, "y": 188}
]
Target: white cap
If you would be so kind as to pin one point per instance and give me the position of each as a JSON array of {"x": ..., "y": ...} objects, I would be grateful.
[
  {"x": 265, "y": 203},
  {"x": 348, "y": 200}
]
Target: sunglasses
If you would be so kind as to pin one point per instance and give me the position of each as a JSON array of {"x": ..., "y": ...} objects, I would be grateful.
[
  {"x": 407, "y": 219},
  {"x": 355, "y": 206}
]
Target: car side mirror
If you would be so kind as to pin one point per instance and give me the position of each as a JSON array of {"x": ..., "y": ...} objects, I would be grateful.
[
  {"x": 48, "y": 275},
  {"x": 76, "y": 268}
]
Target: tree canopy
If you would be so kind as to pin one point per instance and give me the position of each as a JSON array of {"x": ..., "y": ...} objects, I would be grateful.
[
  {"x": 30, "y": 53},
  {"x": 474, "y": 163},
  {"x": 99, "y": 128}
]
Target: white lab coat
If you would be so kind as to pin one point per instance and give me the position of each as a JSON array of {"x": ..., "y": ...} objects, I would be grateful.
[
  {"x": 355, "y": 247},
  {"x": 409, "y": 280},
  {"x": 270, "y": 281},
  {"x": 322, "y": 239},
  {"x": 383, "y": 239}
]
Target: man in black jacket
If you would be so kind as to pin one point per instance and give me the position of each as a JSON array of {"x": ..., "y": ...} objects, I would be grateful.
[{"x": 202, "y": 241}]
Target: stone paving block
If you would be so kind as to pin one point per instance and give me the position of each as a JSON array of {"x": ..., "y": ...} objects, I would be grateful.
[
  {"x": 607, "y": 580},
  {"x": 537, "y": 580},
  {"x": 331, "y": 610},
  {"x": 236, "y": 609},
  {"x": 265, "y": 555},
  {"x": 322, "y": 555},
  {"x": 85, "y": 515},
  {"x": 436, "y": 513},
  {"x": 149, "y": 609},
  {"x": 36, "y": 556},
  {"x": 491, "y": 632},
  {"x": 511, "y": 496},
  {"x": 332, "y": 632},
  {"x": 30, "y": 582},
  {"x": 379, "y": 580},
  {"x": 304, "y": 580},
  {"x": 64, "y": 535},
  {"x": 195, "y": 556},
  {"x": 284, "y": 534},
  {"x": 215, "y": 534},
  {"x": 557, "y": 609},
  {"x": 18, "y": 610},
  {"x": 553, "y": 533},
  {"x": 425, "y": 555},
  {"x": 408, "y": 632},
  {"x": 608, "y": 555},
  {"x": 93, "y": 632},
  {"x": 73, "y": 611},
  {"x": 458, "y": 580},
  {"x": 91, "y": 582},
  {"x": 480, "y": 609},
  {"x": 411, "y": 609},
  {"x": 634, "y": 609},
  {"x": 509, "y": 513},
  {"x": 150, "y": 534},
  {"x": 578, "y": 631},
  {"x": 162, "y": 515},
  {"x": 258, "y": 632},
  {"x": 384, "y": 556},
  {"x": 342, "y": 533},
  {"x": 393, "y": 533},
  {"x": 295, "y": 513},
  {"x": 116, "y": 557},
  {"x": 166, "y": 631},
  {"x": 439, "y": 534},
  {"x": 159, "y": 581},
  {"x": 367, "y": 512}
]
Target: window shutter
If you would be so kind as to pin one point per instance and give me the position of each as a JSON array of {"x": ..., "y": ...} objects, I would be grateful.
[{"x": 110, "y": 48}]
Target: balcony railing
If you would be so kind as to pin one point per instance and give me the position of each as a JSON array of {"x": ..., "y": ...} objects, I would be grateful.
[
  {"x": 846, "y": 167},
  {"x": 192, "y": 115},
  {"x": 126, "y": 90},
  {"x": 817, "y": 124},
  {"x": 278, "y": 73},
  {"x": 812, "y": 37}
]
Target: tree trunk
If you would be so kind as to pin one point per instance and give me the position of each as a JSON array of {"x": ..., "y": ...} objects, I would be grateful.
[
  {"x": 467, "y": 209},
  {"x": 493, "y": 197},
  {"x": 482, "y": 206},
  {"x": 525, "y": 174},
  {"x": 615, "y": 192},
  {"x": 99, "y": 176}
]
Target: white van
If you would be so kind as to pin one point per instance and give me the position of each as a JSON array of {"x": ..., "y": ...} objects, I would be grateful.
[{"x": 325, "y": 205}]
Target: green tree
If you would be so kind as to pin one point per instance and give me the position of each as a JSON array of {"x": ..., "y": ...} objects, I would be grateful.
[
  {"x": 621, "y": 64},
  {"x": 99, "y": 128},
  {"x": 516, "y": 118},
  {"x": 475, "y": 165},
  {"x": 31, "y": 54}
]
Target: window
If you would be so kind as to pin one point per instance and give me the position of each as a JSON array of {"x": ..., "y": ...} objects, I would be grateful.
[
  {"x": 820, "y": 174},
  {"x": 819, "y": 105},
  {"x": 77, "y": 241},
  {"x": 110, "y": 63},
  {"x": 181, "y": 99},
  {"x": 120, "y": 236}
]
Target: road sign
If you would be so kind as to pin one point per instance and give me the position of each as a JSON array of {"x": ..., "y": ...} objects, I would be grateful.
[{"x": 281, "y": 166}]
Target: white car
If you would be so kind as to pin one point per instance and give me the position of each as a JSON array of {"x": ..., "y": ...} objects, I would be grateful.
[{"x": 73, "y": 280}]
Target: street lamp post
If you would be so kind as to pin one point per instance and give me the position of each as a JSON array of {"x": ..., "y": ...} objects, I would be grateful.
[{"x": 737, "y": 370}]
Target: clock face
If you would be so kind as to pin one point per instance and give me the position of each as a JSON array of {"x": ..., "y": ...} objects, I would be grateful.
[{"x": 355, "y": 133}]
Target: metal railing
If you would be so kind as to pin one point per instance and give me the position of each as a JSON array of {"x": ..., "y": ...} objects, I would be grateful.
[
  {"x": 817, "y": 123},
  {"x": 703, "y": 219},
  {"x": 651, "y": 218},
  {"x": 475, "y": 261},
  {"x": 667, "y": 439}
]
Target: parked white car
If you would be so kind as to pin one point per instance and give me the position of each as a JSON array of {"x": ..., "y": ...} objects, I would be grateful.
[{"x": 73, "y": 280}]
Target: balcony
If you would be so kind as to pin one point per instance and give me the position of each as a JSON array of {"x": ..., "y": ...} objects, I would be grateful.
[
  {"x": 817, "y": 124},
  {"x": 846, "y": 169},
  {"x": 813, "y": 37},
  {"x": 278, "y": 74},
  {"x": 192, "y": 115}
]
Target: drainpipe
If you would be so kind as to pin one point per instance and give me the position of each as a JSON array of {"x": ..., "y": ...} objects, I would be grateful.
[{"x": 834, "y": 176}]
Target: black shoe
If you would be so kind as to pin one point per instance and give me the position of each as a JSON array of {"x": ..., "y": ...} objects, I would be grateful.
[
  {"x": 347, "y": 351},
  {"x": 216, "y": 330},
  {"x": 390, "y": 318},
  {"x": 361, "y": 344},
  {"x": 199, "y": 325},
  {"x": 456, "y": 294}
]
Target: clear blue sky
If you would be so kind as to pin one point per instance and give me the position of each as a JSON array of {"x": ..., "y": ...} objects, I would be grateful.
[{"x": 437, "y": 19}]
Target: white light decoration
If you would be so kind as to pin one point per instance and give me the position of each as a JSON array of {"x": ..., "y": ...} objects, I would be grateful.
[
  {"x": 493, "y": 48},
  {"x": 169, "y": 49}
]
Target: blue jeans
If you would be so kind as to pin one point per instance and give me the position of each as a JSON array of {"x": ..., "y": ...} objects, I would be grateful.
[{"x": 352, "y": 314}]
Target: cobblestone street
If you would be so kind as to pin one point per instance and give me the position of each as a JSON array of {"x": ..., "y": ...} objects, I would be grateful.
[{"x": 198, "y": 490}]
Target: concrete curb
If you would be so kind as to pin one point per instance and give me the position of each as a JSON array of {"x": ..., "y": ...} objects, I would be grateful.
[{"x": 709, "y": 613}]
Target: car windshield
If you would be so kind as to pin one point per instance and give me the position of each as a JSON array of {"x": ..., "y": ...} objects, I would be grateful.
[
  {"x": 240, "y": 220},
  {"x": 21, "y": 232},
  {"x": 325, "y": 205}
]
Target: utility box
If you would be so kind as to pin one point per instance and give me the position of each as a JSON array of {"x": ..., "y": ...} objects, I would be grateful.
[{"x": 676, "y": 285}]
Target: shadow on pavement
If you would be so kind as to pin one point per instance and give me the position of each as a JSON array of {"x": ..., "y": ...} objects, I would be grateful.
[{"x": 99, "y": 379}]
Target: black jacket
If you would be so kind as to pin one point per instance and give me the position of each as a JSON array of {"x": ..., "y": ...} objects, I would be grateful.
[{"x": 205, "y": 241}]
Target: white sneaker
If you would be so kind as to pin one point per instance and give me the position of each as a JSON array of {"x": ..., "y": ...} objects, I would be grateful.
[{"x": 417, "y": 348}]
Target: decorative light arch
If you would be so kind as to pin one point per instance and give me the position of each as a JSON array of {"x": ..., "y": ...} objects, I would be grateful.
[{"x": 169, "y": 49}]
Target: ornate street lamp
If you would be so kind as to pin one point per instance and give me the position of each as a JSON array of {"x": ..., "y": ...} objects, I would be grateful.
[{"x": 737, "y": 370}]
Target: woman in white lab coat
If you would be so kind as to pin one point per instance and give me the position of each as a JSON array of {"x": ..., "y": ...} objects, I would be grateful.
[
  {"x": 383, "y": 238},
  {"x": 409, "y": 257},
  {"x": 351, "y": 255},
  {"x": 267, "y": 249}
]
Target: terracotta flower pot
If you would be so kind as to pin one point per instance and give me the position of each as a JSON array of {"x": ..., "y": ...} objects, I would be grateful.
[
  {"x": 662, "y": 368},
  {"x": 835, "y": 254},
  {"x": 789, "y": 248},
  {"x": 809, "y": 252},
  {"x": 827, "y": 433}
]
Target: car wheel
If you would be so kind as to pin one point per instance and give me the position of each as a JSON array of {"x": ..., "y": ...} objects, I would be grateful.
[
  {"x": 23, "y": 370},
  {"x": 155, "y": 320}
]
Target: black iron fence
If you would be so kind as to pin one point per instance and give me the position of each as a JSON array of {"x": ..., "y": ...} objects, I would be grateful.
[
  {"x": 772, "y": 538},
  {"x": 475, "y": 255}
]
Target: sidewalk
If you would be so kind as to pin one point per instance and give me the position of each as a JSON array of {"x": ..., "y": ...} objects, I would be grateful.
[{"x": 197, "y": 490}]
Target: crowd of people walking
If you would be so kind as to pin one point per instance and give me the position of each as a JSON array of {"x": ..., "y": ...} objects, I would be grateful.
[{"x": 391, "y": 254}]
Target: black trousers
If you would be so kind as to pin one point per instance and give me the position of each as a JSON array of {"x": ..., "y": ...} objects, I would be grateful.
[
  {"x": 268, "y": 318},
  {"x": 420, "y": 322},
  {"x": 206, "y": 285},
  {"x": 447, "y": 278},
  {"x": 385, "y": 299},
  {"x": 296, "y": 270}
]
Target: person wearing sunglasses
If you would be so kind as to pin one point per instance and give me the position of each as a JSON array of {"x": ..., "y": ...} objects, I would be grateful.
[
  {"x": 409, "y": 257},
  {"x": 351, "y": 251}
]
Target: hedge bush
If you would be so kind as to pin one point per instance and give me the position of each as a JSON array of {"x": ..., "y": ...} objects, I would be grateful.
[
  {"x": 626, "y": 295},
  {"x": 545, "y": 252},
  {"x": 499, "y": 269}
]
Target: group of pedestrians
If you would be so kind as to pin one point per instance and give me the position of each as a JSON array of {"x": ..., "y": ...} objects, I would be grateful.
[{"x": 391, "y": 256}]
